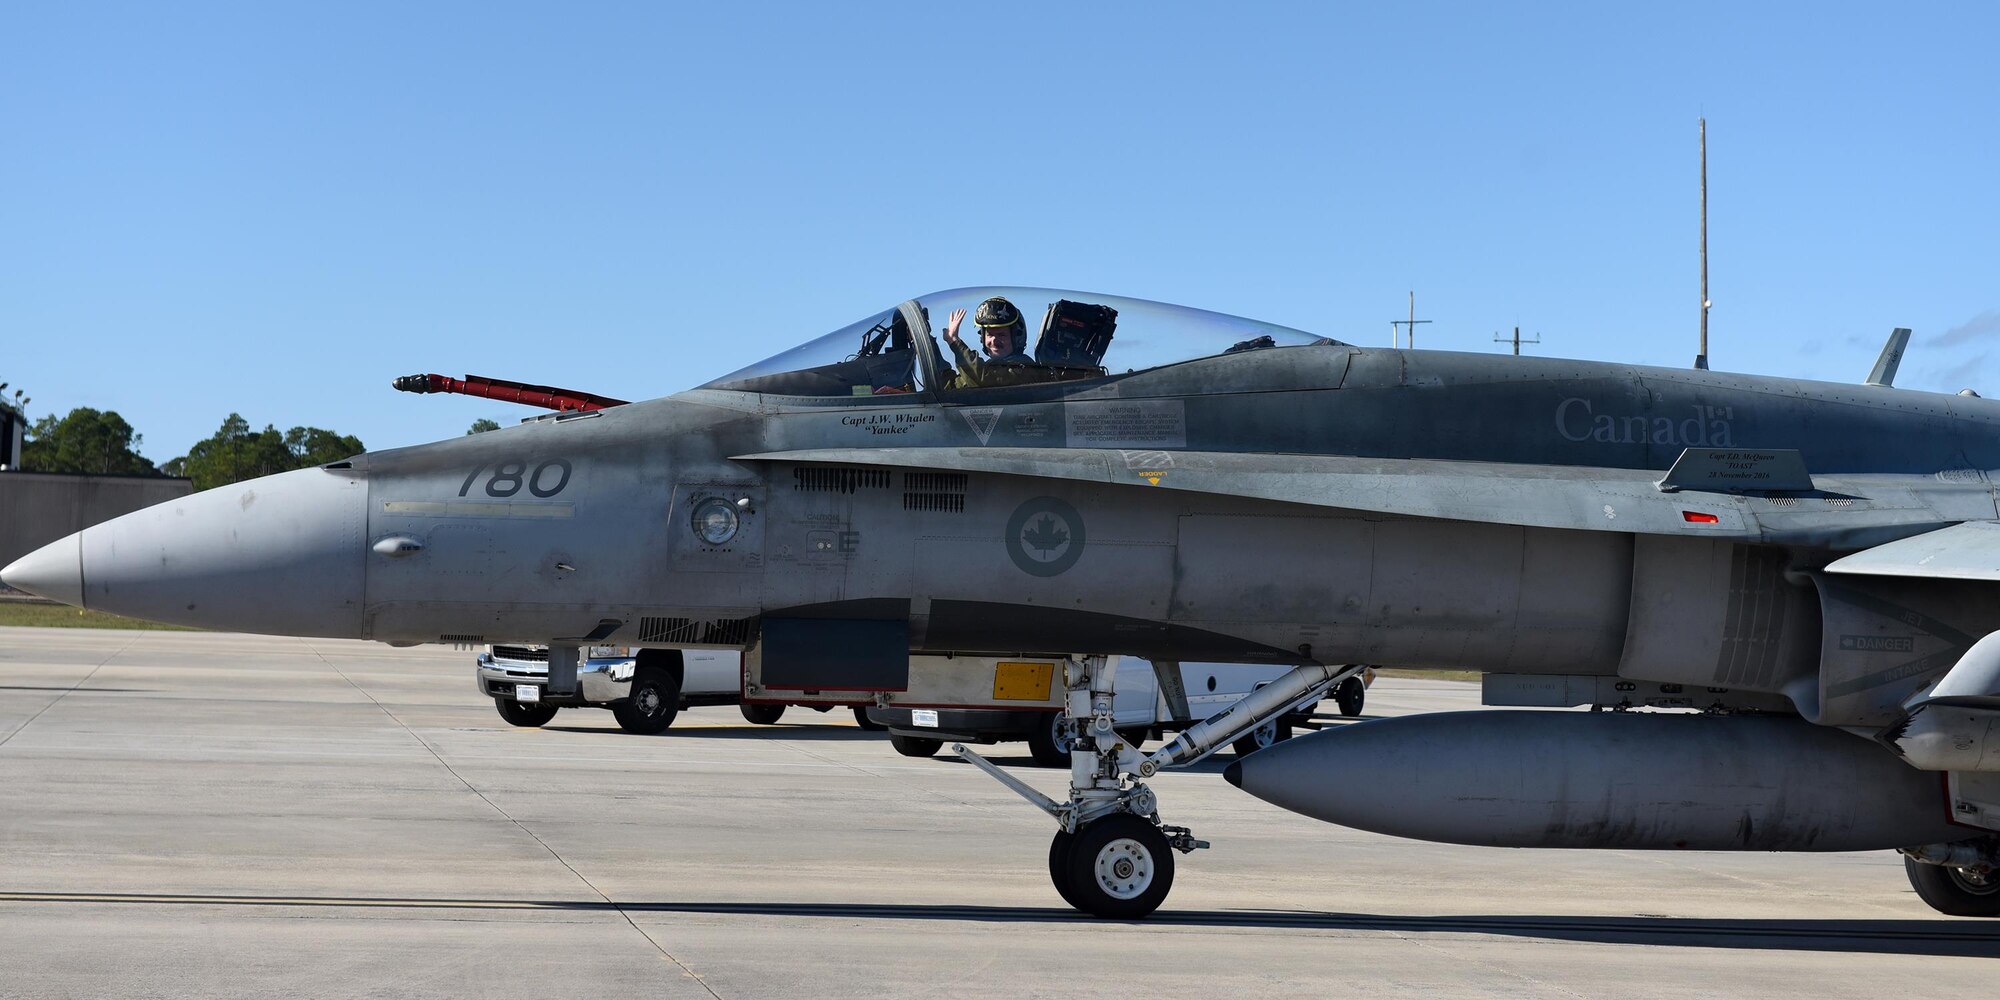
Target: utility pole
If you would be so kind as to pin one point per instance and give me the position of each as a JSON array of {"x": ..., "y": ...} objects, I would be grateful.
[
  {"x": 1701, "y": 359},
  {"x": 1498, "y": 339},
  {"x": 1411, "y": 323}
]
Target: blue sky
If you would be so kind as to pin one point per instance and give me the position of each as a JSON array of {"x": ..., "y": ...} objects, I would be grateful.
[{"x": 277, "y": 208}]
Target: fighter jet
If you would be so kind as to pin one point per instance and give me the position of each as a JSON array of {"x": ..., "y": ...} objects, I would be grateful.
[{"x": 1803, "y": 574}]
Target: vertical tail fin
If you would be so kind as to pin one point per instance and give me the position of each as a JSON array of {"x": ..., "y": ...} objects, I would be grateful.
[{"x": 1892, "y": 358}]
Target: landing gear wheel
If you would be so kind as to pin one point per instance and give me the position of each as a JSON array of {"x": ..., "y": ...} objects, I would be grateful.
[
  {"x": 861, "y": 719},
  {"x": 915, "y": 746},
  {"x": 1120, "y": 867},
  {"x": 1275, "y": 731},
  {"x": 1954, "y": 890},
  {"x": 763, "y": 715},
  {"x": 656, "y": 693},
  {"x": 1350, "y": 696},
  {"x": 526, "y": 716},
  {"x": 1059, "y": 852},
  {"x": 1049, "y": 741}
]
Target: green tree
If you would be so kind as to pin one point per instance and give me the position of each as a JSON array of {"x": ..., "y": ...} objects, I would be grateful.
[
  {"x": 482, "y": 425},
  {"x": 311, "y": 446},
  {"x": 235, "y": 453},
  {"x": 85, "y": 441}
]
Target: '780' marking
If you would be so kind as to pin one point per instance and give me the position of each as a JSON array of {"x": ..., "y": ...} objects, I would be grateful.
[{"x": 508, "y": 478}]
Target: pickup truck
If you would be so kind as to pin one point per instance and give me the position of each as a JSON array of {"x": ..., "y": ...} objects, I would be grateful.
[{"x": 516, "y": 678}]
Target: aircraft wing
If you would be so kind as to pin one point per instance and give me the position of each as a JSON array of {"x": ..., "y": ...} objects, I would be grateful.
[
  {"x": 1969, "y": 551},
  {"x": 1589, "y": 498}
]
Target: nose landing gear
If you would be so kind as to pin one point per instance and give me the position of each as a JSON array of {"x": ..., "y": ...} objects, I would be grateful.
[{"x": 1112, "y": 857}]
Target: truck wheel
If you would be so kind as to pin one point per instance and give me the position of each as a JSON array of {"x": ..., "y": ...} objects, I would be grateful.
[
  {"x": 656, "y": 693},
  {"x": 526, "y": 716},
  {"x": 1049, "y": 741},
  {"x": 861, "y": 719},
  {"x": 915, "y": 746},
  {"x": 1275, "y": 731},
  {"x": 763, "y": 715},
  {"x": 1953, "y": 890},
  {"x": 1350, "y": 696}
]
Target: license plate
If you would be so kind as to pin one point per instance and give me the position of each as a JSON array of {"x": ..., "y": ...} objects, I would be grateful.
[
  {"x": 924, "y": 717},
  {"x": 527, "y": 693}
]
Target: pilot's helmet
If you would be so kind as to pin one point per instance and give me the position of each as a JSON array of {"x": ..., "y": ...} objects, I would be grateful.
[{"x": 998, "y": 312}]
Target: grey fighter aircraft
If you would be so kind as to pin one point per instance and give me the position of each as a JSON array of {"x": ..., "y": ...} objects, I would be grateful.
[{"x": 1811, "y": 570}]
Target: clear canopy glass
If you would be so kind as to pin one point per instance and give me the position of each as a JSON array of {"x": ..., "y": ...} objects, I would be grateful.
[{"x": 1071, "y": 336}]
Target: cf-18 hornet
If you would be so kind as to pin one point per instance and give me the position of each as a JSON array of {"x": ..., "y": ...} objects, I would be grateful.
[{"x": 1805, "y": 575}]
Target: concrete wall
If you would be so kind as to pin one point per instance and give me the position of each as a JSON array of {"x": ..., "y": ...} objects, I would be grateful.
[{"x": 37, "y": 508}]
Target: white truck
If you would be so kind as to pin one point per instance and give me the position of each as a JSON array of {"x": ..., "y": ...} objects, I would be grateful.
[
  {"x": 516, "y": 678},
  {"x": 644, "y": 701}
]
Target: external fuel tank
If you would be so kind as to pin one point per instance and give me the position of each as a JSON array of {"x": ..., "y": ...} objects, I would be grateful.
[{"x": 1629, "y": 780}]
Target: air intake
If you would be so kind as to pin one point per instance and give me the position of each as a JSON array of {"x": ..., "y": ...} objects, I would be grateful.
[
  {"x": 694, "y": 632},
  {"x": 667, "y": 630},
  {"x": 825, "y": 480},
  {"x": 940, "y": 492}
]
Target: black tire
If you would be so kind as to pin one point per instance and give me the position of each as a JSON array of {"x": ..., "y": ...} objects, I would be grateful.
[
  {"x": 1270, "y": 733},
  {"x": 1350, "y": 696},
  {"x": 915, "y": 746},
  {"x": 1049, "y": 749},
  {"x": 525, "y": 716},
  {"x": 656, "y": 693},
  {"x": 1954, "y": 891},
  {"x": 861, "y": 719},
  {"x": 763, "y": 715},
  {"x": 1059, "y": 852},
  {"x": 1120, "y": 867}
]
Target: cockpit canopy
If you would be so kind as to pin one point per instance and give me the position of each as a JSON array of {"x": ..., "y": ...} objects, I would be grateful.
[{"x": 1071, "y": 336}]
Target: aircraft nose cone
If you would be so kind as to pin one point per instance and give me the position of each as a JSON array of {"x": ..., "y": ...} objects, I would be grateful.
[
  {"x": 282, "y": 555},
  {"x": 54, "y": 571},
  {"x": 1234, "y": 773}
]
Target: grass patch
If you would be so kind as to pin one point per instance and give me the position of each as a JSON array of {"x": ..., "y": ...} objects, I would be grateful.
[{"x": 39, "y": 614}]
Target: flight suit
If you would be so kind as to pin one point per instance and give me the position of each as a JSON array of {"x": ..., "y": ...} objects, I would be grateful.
[{"x": 1014, "y": 369}]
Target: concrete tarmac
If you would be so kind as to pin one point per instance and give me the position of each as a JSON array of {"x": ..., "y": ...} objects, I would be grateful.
[{"x": 198, "y": 815}]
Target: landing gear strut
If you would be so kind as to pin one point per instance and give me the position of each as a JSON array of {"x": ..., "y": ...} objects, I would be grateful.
[{"x": 1111, "y": 856}]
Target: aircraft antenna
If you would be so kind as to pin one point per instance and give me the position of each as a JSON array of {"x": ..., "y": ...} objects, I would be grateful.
[
  {"x": 1498, "y": 339},
  {"x": 1411, "y": 323},
  {"x": 1701, "y": 360}
]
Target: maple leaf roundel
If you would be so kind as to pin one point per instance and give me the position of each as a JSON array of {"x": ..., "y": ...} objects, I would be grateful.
[{"x": 1045, "y": 536}]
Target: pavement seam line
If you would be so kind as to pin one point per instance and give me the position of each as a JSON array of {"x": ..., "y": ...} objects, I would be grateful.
[
  {"x": 85, "y": 679},
  {"x": 518, "y": 825}
]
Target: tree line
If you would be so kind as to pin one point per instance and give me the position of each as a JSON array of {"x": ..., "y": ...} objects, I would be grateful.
[{"x": 100, "y": 442}]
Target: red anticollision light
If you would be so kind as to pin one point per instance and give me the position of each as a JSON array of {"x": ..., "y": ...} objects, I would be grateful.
[{"x": 1697, "y": 517}]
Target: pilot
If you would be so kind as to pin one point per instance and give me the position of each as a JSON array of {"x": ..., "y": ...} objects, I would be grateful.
[{"x": 1005, "y": 337}]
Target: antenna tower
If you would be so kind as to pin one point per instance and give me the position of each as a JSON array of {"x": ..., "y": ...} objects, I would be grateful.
[
  {"x": 1701, "y": 359},
  {"x": 1516, "y": 338},
  {"x": 1411, "y": 323}
]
